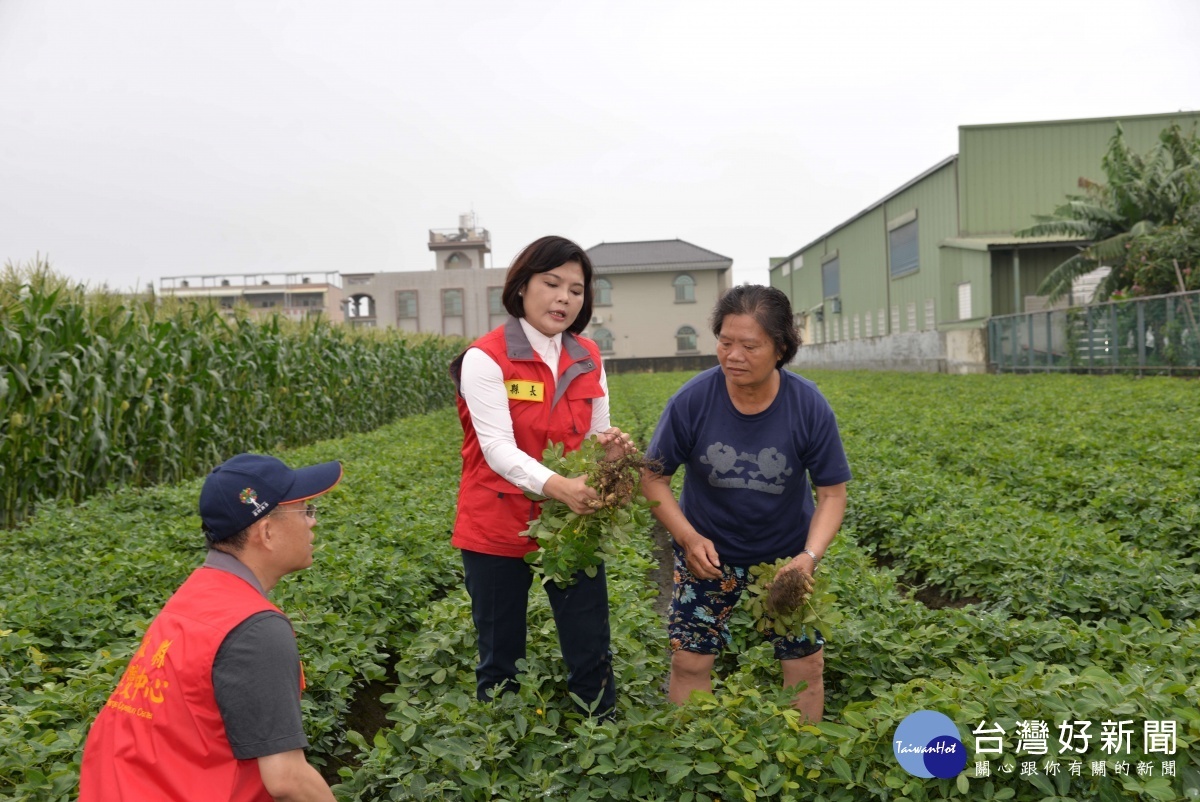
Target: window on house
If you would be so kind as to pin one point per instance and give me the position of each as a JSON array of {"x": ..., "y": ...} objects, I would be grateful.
[
  {"x": 406, "y": 304},
  {"x": 685, "y": 339},
  {"x": 930, "y": 318},
  {"x": 458, "y": 260},
  {"x": 452, "y": 303},
  {"x": 903, "y": 254},
  {"x": 603, "y": 292},
  {"x": 604, "y": 339},
  {"x": 496, "y": 301},
  {"x": 912, "y": 315},
  {"x": 831, "y": 278},
  {"x": 685, "y": 289},
  {"x": 867, "y": 324}
]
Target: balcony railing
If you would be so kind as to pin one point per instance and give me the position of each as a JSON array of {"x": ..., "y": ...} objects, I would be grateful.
[
  {"x": 460, "y": 236},
  {"x": 242, "y": 282}
]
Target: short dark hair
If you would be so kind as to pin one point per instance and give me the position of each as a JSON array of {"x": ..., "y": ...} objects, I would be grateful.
[
  {"x": 767, "y": 305},
  {"x": 230, "y": 545},
  {"x": 540, "y": 256}
]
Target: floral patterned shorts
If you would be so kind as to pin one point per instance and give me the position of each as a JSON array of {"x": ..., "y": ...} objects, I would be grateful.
[{"x": 700, "y": 608}]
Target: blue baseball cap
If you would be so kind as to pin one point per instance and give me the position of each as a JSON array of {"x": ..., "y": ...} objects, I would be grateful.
[{"x": 244, "y": 488}]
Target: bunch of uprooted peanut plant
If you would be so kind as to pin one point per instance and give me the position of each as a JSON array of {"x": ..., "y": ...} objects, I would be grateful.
[
  {"x": 791, "y": 603},
  {"x": 569, "y": 542}
]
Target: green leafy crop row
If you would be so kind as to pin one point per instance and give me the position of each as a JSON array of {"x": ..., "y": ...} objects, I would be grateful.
[{"x": 966, "y": 584}]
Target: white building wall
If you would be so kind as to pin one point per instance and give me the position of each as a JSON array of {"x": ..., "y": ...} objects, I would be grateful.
[
  {"x": 645, "y": 317},
  {"x": 429, "y": 284}
]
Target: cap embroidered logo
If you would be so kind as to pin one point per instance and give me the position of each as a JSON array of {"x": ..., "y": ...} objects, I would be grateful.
[
  {"x": 249, "y": 496},
  {"x": 273, "y": 483}
]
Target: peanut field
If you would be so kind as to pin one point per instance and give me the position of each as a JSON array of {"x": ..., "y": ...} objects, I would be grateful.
[{"x": 1016, "y": 549}]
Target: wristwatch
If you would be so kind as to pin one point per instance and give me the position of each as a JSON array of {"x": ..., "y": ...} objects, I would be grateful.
[{"x": 812, "y": 554}]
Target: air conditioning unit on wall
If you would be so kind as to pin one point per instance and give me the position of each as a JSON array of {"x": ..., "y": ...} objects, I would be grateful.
[{"x": 597, "y": 320}]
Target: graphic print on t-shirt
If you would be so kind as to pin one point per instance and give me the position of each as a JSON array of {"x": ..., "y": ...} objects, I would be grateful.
[{"x": 767, "y": 474}]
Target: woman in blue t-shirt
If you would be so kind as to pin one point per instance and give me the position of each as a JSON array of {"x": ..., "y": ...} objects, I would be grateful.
[{"x": 751, "y": 435}]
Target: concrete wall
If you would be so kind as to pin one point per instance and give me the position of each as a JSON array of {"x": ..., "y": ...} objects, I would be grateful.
[
  {"x": 956, "y": 351},
  {"x": 660, "y": 364},
  {"x": 429, "y": 284}
]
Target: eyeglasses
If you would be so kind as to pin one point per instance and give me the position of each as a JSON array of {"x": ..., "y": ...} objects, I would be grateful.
[{"x": 309, "y": 509}]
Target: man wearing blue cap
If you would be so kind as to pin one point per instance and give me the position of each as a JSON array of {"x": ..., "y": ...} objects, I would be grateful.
[{"x": 209, "y": 707}]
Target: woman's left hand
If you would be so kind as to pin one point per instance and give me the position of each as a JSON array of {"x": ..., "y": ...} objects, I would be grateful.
[
  {"x": 573, "y": 491},
  {"x": 802, "y": 562},
  {"x": 616, "y": 443}
]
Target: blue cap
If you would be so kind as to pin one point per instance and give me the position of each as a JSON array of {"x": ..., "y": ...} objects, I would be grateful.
[{"x": 243, "y": 489}]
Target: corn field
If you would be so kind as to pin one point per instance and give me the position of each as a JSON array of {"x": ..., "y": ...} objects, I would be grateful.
[{"x": 99, "y": 390}]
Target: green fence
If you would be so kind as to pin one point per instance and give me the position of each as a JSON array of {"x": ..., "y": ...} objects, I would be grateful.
[{"x": 1157, "y": 334}]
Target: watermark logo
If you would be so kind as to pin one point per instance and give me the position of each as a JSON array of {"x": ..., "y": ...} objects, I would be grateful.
[{"x": 927, "y": 744}]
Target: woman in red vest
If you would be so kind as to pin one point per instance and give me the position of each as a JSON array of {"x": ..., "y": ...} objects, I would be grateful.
[{"x": 529, "y": 381}]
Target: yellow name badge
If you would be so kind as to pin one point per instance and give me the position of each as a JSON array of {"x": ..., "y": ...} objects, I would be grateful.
[{"x": 526, "y": 391}]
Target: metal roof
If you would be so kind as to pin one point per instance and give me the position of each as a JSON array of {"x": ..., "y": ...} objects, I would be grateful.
[
  {"x": 1081, "y": 121},
  {"x": 654, "y": 256},
  {"x": 943, "y": 163},
  {"x": 1005, "y": 241}
]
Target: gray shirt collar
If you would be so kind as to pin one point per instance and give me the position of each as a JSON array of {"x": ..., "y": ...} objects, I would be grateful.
[{"x": 232, "y": 565}]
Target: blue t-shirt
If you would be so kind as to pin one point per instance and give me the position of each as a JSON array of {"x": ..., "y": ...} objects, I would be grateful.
[{"x": 747, "y": 482}]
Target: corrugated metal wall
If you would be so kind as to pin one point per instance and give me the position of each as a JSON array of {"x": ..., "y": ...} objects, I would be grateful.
[
  {"x": 934, "y": 201},
  {"x": 1011, "y": 172},
  {"x": 1002, "y": 176},
  {"x": 867, "y": 287},
  {"x": 862, "y": 259},
  {"x": 962, "y": 266}
]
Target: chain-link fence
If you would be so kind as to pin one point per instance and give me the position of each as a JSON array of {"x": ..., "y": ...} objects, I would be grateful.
[{"x": 1157, "y": 334}]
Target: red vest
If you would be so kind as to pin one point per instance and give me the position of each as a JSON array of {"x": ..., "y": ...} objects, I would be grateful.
[
  {"x": 160, "y": 736},
  {"x": 492, "y": 512}
]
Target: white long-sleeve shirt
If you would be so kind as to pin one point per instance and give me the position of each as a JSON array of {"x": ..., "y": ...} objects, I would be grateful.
[{"x": 482, "y": 387}]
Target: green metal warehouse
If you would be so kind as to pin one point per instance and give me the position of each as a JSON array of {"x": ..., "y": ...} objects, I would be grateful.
[{"x": 909, "y": 283}]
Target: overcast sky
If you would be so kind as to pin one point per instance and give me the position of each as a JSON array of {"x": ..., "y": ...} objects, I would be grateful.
[{"x": 149, "y": 139}]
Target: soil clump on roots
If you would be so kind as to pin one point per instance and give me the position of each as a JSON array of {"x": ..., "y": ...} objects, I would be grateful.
[{"x": 788, "y": 591}]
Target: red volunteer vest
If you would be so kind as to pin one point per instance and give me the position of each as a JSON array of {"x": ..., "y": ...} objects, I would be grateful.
[
  {"x": 492, "y": 512},
  {"x": 160, "y": 736}
]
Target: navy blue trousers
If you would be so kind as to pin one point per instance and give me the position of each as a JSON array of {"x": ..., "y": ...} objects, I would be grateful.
[{"x": 499, "y": 590}]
